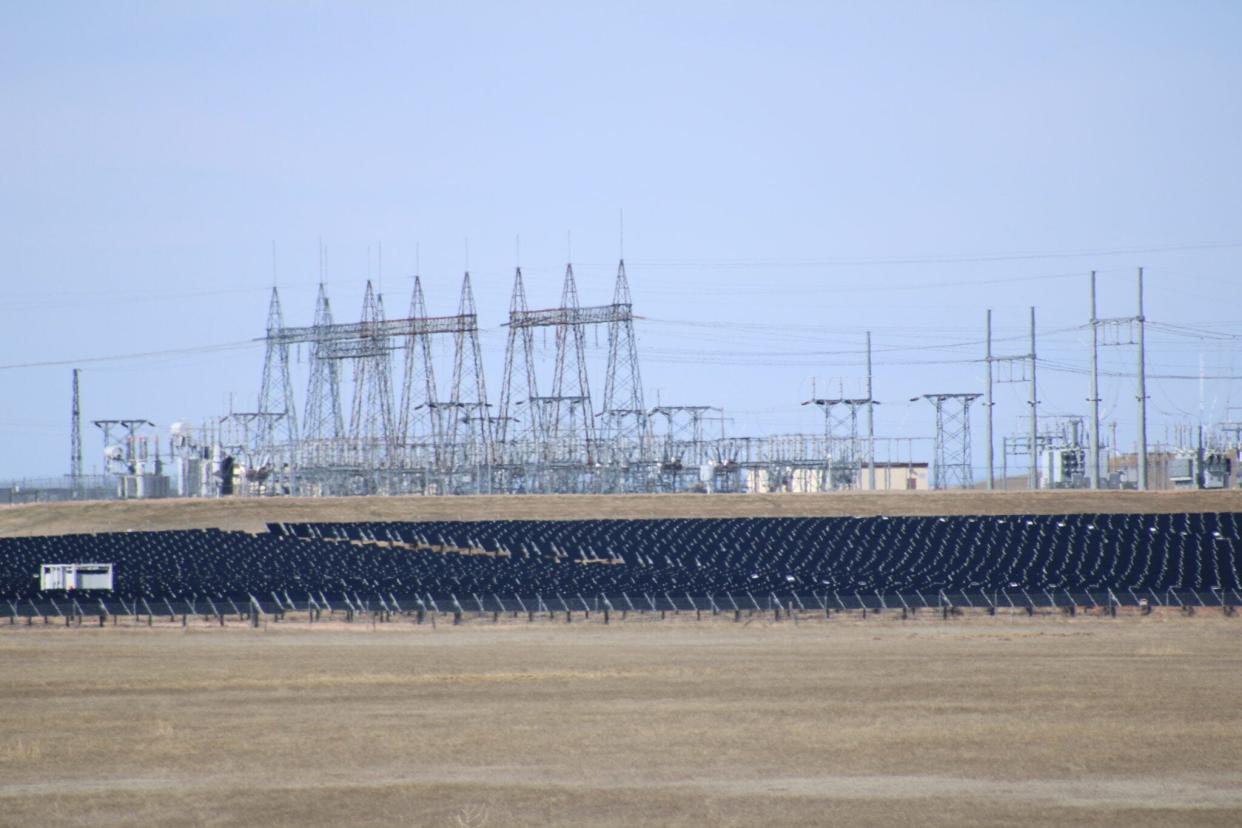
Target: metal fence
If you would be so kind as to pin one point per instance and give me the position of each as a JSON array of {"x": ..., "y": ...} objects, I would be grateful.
[
  {"x": 72, "y": 609},
  {"x": 54, "y": 489}
]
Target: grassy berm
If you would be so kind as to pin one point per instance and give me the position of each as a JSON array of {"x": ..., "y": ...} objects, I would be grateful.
[{"x": 251, "y": 514}]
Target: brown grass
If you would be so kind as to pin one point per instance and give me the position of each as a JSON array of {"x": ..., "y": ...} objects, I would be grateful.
[
  {"x": 251, "y": 514},
  {"x": 975, "y": 721}
]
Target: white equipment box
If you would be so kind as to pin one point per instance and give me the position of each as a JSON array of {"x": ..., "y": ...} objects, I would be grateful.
[{"x": 75, "y": 576}]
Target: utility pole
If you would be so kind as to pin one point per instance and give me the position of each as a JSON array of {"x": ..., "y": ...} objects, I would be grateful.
[
  {"x": 1032, "y": 475},
  {"x": 1015, "y": 370},
  {"x": 1005, "y": 463},
  {"x": 1123, "y": 333},
  {"x": 1112, "y": 442},
  {"x": 1093, "y": 463},
  {"x": 870, "y": 422},
  {"x": 1142, "y": 390},
  {"x": 987, "y": 403}
]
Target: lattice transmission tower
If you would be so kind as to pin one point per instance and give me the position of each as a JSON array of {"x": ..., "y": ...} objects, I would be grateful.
[
  {"x": 519, "y": 423},
  {"x": 952, "y": 442},
  {"x": 626, "y": 425},
  {"x": 551, "y": 439},
  {"x": 569, "y": 422},
  {"x": 276, "y": 422},
  {"x": 75, "y": 437},
  {"x": 370, "y": 422},
  {"x": 469, "y": 427},
  {"x": 415, "y": 422},
  {"x": 324, "y": 422},
  {"x": 846, "y": 451}
]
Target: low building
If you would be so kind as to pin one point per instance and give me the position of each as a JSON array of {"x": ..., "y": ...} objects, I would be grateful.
[{"x": 805, "y": 479}]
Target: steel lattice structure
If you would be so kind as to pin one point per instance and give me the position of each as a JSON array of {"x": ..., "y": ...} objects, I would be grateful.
[
  {"x": 395, "y": 429},
  {"x": 952, "y": 444}
]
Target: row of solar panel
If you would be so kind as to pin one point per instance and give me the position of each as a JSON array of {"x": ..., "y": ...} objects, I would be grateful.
[
  {"x": 68, "y": 608},
  {"x": 701, "y": 557}
]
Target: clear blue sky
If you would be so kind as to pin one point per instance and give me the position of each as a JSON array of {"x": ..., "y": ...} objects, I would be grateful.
[{"x": 791, "y": 174}]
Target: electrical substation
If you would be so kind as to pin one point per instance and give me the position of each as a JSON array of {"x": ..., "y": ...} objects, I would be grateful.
[{"x": 374, "y": 414}]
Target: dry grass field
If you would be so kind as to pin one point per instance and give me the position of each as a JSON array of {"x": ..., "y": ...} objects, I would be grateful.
[
  {"x": 251, "y": 514},
  {"x": 974, "y": 721}
]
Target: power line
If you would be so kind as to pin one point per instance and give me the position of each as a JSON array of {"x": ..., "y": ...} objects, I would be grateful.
[
  {"x": 200, "y": 349},
  {"x": 959, "y": 259},
  {"x": 1194, "y": 333},
  {"x": 1074, "y": 369},
  {"x": 968, "y": 343}
]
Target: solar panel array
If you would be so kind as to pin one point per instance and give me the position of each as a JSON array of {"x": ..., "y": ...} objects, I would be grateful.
[{"x": 843, "y": 560}]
